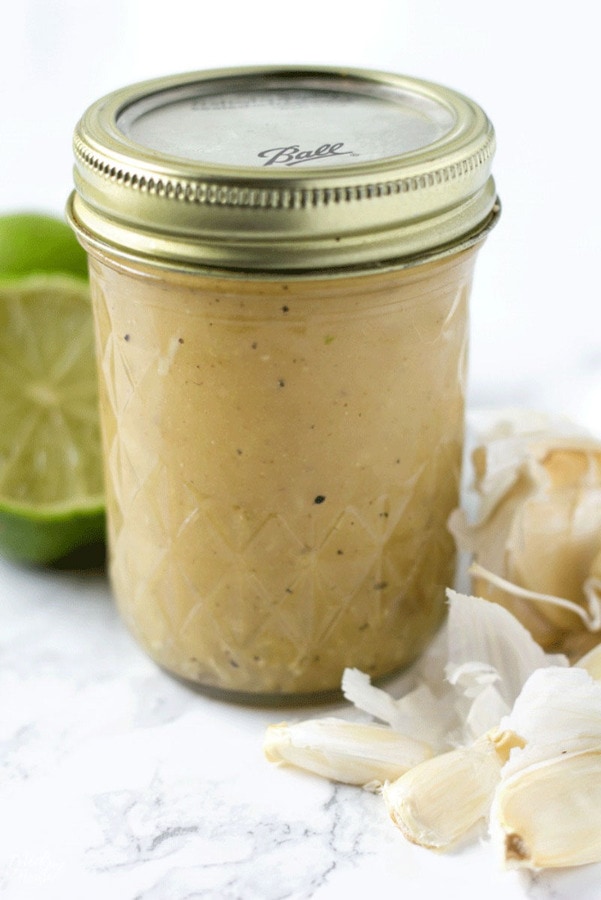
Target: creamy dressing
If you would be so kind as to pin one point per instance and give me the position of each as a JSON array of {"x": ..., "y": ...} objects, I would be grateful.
[{"x": 281, "y": 461}]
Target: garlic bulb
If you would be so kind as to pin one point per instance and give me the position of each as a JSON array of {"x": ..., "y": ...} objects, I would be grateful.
[{"x": 538, "y": 528}]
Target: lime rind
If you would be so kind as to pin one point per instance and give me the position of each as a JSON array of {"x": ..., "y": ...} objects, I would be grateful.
[{"x": 38, "y": 539}]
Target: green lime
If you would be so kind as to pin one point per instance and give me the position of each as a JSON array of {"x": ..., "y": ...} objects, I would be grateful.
[
  {"x": 51, "y": 489},
  {"x": 34, "y": 242}
]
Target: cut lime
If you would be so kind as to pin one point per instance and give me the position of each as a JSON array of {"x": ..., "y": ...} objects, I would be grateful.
[
  {"x": 35, "y": 242},
  {"x": 51, "y": 490}
]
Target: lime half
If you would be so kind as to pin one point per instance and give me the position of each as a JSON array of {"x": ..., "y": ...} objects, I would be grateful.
[{"x": 51, "y": 490}]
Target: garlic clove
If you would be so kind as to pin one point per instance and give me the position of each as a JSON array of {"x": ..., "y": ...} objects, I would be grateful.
[
  {"x": 549, "y": 815},
  {"x": 439, "y": 801},
  {"x": 349, "y": 752}
]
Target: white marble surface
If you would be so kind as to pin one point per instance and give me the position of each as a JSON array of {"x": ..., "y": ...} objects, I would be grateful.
[{"x": 117, "y": 781}]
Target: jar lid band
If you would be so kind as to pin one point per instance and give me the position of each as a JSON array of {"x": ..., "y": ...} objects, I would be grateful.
[{"x": 283, "y": 169}]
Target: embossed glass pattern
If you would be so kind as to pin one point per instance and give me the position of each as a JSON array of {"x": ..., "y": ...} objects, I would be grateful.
[{"x": 281, "y": 461}]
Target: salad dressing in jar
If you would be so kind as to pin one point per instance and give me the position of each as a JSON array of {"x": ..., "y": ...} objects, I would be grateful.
[{"x": 280, "y": 264}]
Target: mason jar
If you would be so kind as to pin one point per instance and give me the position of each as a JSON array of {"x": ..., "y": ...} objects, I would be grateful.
[{"x": 280, "y": 263}]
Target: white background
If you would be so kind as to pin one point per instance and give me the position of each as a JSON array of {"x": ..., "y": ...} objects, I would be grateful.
[{"x": 534, "y": 68}]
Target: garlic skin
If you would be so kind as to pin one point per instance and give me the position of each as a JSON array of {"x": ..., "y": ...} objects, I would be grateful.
[
  {"x": 438, "y": 802},
  {"x": 467, "y": 680},
  {"x": 349, "y": 752},
  {"x": 538, "y": 524},
  {"x": 549, "y": 814}
]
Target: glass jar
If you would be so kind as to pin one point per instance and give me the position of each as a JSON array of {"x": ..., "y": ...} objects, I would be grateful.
[{"x": 280, "y": 263}]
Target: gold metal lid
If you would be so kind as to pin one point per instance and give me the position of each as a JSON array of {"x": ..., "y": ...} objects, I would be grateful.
[{"x": 283, "y": 169}]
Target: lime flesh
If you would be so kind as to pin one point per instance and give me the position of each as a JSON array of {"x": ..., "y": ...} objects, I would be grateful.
[{"x": 51, "y": 490}]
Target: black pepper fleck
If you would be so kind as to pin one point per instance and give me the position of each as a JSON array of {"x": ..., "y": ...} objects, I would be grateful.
[
  {"x": 126, "y": 337},
  {"x": 281, "y": 382},
  {"x": 180, "y": 340},
  {"x": 285, "y": 309},
  {"x": 254, "y": 345},
  {"x": 319, "y": 499}
]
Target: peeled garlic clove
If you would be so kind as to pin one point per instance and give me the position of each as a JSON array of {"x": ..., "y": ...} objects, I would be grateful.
[
  {"x": 349, "y": 752},
  {"x": 438, "y": 802},
  {"x": 549, "y": 815}
]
